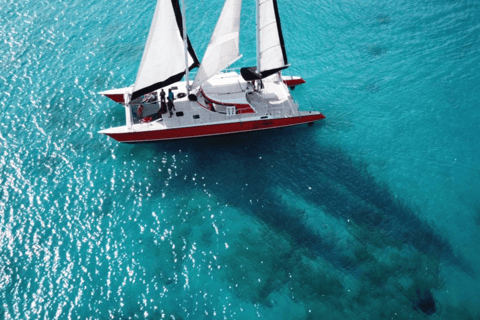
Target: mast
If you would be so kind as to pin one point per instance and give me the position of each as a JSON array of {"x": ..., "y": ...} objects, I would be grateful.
[
  {"x": 258, "y": 34},
  {"x": 185, "y": 41}
]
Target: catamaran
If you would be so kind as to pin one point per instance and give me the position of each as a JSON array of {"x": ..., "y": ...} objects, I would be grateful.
[{"x": 216, "y": 102}]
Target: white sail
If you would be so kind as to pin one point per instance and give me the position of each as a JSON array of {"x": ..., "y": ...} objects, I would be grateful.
[
  {"x": 163, "y": 60},
  {"x": 271, "y": 48},
  {"x": 223, "y": 48}
]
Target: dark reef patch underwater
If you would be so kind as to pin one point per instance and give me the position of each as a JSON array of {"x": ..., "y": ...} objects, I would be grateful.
[
  {"x": 425, "y": 302},
  {"x": 389, "y": 252}
]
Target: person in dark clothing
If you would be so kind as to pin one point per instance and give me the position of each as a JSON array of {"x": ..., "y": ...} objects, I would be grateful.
[
  {"x": 163, "y": 104},
  {"x": 162, "y": 96},
  {"x": 159, "y": 114},
  {"x": 163, "y": 107}
]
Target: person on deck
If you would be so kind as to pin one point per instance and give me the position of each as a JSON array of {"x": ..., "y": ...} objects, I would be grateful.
[
  {"x": 162, "y": 96},
  {"x": 170, "y": 102},
  {"x": 140, "y": 112},
  {"x": 149, "y": 97},
  {"x": 171, "y": 97},
  {"x": 163, "y": 104}
]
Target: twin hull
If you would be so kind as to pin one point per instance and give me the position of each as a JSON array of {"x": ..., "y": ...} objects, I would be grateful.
[
  {"x": 212, "y": 130},
  {"x": 272, "y": 108}
]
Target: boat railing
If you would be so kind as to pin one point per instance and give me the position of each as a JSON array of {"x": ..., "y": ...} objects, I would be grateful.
[
  {"x": 150, "y": 110},
  {"x": 282, "y": 112},
  {"x": 268, "y": 113}
]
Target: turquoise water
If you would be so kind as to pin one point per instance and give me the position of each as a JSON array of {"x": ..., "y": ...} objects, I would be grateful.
[{"x": 372, "y": 214}]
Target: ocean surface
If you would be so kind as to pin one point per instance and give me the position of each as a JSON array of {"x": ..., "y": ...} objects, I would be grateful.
[{"x": 373, "y": 213}]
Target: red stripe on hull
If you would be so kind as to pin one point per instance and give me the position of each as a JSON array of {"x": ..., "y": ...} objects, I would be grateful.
[
  {"x": 214, "y": 129},
  {"x": 294, "y": 82},
  {"x": 116, "y": 97}
]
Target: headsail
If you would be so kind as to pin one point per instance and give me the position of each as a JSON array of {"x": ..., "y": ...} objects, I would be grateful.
[
  {"x": 163, "y": 61},
  {"x": 223, "y": 48}
]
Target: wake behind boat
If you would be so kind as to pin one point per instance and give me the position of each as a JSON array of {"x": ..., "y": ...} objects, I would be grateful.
[{"x": 216, "y": 102}]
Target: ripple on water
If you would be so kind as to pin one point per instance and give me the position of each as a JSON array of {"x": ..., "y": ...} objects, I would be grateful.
[{"x": 335, "y": 219}]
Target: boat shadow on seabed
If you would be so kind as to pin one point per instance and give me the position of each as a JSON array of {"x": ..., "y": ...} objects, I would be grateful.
[{"x": 329, "y": 180}]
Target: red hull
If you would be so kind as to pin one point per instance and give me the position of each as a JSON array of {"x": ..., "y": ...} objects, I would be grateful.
[
  {"x": 212, "y": 130},
  {"x": 294, "y": 82},
  {"x": 116, "y": 97}
]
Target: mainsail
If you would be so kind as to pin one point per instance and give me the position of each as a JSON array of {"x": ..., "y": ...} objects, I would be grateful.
[
  {"x": 163, "y": 61},
  {"x": 271, "y": 54},
  {"x": 223, "y": 48}
]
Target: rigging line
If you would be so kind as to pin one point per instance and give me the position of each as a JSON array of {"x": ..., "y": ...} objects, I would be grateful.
[
  {"x": 271, "y": 47},
  {"x": 269, "y": 24}
]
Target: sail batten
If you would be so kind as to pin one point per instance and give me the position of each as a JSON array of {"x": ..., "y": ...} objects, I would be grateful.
[
  {"x": 163, "y": 60},
  {"x": 223, "y": 48}
]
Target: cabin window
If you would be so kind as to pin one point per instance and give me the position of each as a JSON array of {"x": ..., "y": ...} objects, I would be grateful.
[
  {"x": 179, "y": 114},
  {"x": 196, "y": 116}
]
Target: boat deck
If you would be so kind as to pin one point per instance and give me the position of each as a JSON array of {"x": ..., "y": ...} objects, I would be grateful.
[
  {"x": 272, "y": 101},
  {"x": 226, "y": 101}
]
